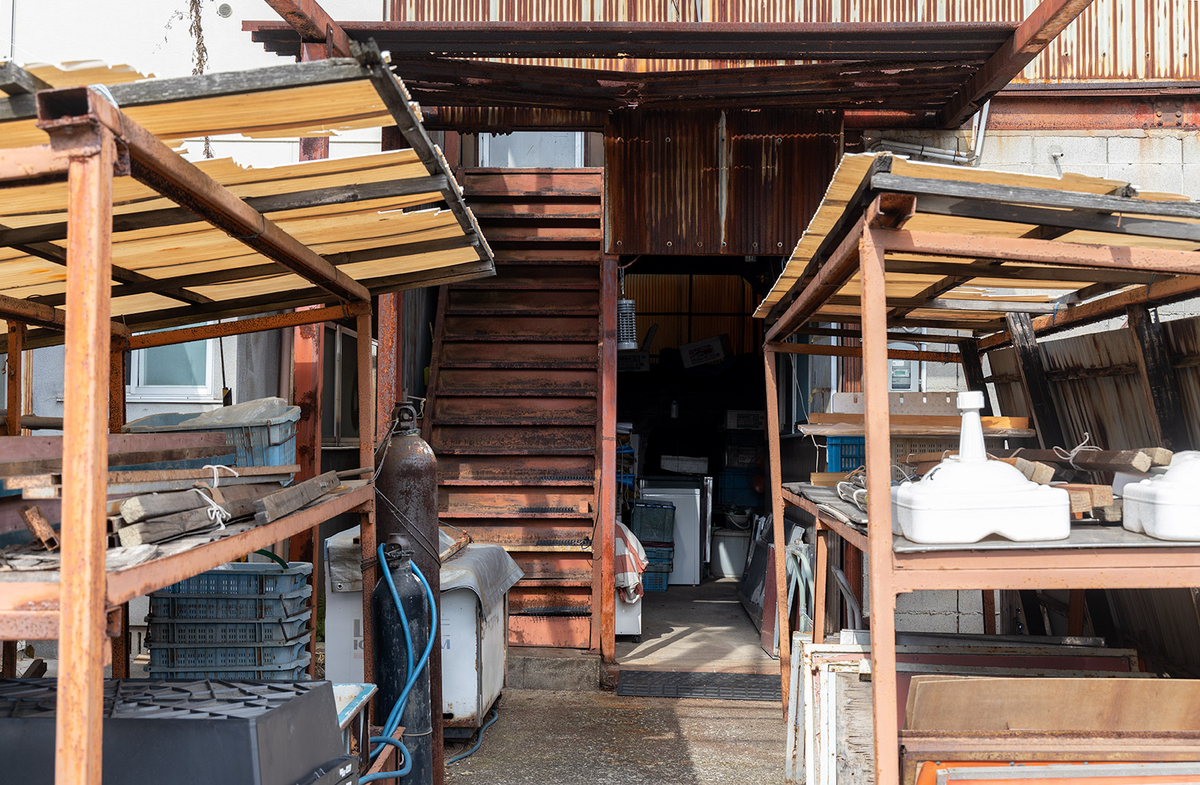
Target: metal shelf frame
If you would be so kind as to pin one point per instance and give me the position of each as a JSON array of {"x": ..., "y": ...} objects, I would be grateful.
[
  {"x": 861, "y": 250},
  {"x": 91, "y": 143}
]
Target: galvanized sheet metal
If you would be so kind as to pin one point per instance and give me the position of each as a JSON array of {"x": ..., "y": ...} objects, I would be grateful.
[{"x": 1111, "y": 40}]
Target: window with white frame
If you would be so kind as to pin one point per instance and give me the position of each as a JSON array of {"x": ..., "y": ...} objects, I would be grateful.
[
  {"x": 339, "y": 387},
  {"x": 559, "y": 149},
  {"x": 182, "y": 372}
]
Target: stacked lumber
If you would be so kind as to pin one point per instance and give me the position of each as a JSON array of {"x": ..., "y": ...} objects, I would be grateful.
[
  {"x": 1132, "y": 461},
  {"x": 1034, "y": 471}
]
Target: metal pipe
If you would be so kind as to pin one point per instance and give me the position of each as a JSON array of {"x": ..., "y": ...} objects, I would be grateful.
[
  {"x": 979, "y": 130},
  {"x": 843, "y": 585}
]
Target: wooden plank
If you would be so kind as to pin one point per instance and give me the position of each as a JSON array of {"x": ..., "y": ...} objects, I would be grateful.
[
  {"x": 275, "y": 506},
  {"x": 1098, "y": 495},
  {"x": 25, "y": 448},
  {"x": 16, "y": 345},
  {"x": 1088, "y": 460},
  {"x": 1158, "y": 379},
  {"x": 1041, "y": 27},
  {"x": 856, "y": 418},
  {"x": 15, "y": 80},
  {"x": 826, "y": 479},
  {"x": 1159, "y": 456},
  {"x": 54, "y": 465},
  {"x": 168, "y": 527},
  {"x": 1033, "y": 380},
  {"x": 775, "y": 483},
  {"x": 972, "y": 365}
]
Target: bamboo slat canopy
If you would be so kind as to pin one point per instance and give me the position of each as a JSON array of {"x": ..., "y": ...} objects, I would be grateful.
[
  {"x": 971, "y": 286},
  {"x": 390, "y": 221}
]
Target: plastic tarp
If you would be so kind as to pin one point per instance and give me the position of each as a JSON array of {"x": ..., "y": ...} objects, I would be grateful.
[{"x": 487, "y": 570}]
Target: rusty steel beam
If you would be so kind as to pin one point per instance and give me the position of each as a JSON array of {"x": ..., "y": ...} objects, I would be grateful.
[
  {"x": 82, "y": 644},
  {"x": 836, "y": 270},
  {"x": 27, "y": 312},
  {"x": 1027, "y": 42},
  {"x": 313, "y": 24},
  {"x": 775, "y": 481},
  {"x": 879, "y": 506},
  {"x": 202, "y": 332},
  {"x": 604, "y": 606},
  {"x": 16, "y": 340},
  {"x": 154, "y": 164},
  {"x": 826, "y": 350},
  {"x": 20, "y": 165}
]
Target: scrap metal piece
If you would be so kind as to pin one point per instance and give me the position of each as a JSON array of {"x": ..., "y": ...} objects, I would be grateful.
[{"x": 37, "y": 524}]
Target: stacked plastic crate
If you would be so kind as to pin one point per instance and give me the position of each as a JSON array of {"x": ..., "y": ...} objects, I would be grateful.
[
  {"x": 239, "y": 621},
  {"x": 653, "y": 523}
]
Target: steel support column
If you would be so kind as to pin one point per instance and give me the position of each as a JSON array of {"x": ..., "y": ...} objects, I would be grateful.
[
  {"x": 606, "y": 469},
  {"x": 16, "y": 343},
  {"x": 82, "y": 621},
  {"x": 116, "y": 421},
  {"x": 775, "y": 481},
  {"x": 879, "y": 507}
]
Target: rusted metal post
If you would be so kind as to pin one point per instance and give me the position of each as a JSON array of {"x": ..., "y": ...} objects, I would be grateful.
[
  {"x": 775, "y": 481},
  {"x": 879, "y": 508},
  {"x": 16, "y": 344},
  {"x": 307, "y": 382},
  {"x": 387, "y": 370},
  {"x": 606, "y": 513},
  {"x": 821, "y": 584},
  {"x": 82, "y": 621},
  {"x": 116, "y": 421},
  {"x": 366, "y": 458}
]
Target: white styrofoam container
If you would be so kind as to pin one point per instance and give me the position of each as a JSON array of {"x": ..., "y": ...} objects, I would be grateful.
[
  {"x": 968, "y": 497},
  {"x": 730, "y": 547},
  {"x": 1166, "y": 507}
]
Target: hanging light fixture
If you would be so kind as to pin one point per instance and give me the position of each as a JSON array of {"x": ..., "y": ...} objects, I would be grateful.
[{"x": 626, "y": 320}]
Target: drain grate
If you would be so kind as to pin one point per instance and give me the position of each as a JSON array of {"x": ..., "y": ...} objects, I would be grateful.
[
  {"x": 722, "y": 686},
  {"x": 536, "y": 509}
]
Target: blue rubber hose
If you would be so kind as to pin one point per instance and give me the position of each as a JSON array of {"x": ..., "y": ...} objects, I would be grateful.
[
  {"x": 390, "y": 775},
  {"x": 387, "y": 576},
  {"x": 478, "y": 743},
  {"x": 397, "y": 711}
]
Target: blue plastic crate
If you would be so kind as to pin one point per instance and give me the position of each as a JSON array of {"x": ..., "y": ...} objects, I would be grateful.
[
  {"x": 654, "y": 581},
  {"x": 659, "y": 553},
  {"x": 295, "y": 670},
  {"x": 265, "y": 440},
  {"x": 197, "y": 656},
  {"x": 224, "y": 607},
  {"x": 245, "y": 578},
  {"x": 652, "y": 521},
  {"x": 221, "y": 632},
  {"x": 659, "y": 565},
  {"x": 845, "y": 453}
]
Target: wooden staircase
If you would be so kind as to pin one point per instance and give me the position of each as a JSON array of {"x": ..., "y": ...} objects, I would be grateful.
[{"x": 515, "y": 392}]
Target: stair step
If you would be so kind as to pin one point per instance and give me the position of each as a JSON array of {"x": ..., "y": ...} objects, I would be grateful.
[
  {"x": 461, "y": 514},
  {"x": 515, "y": 482},
  {"x": 492, "y": 284},
  {"x": 543, "y": 392},
  {"x": 516, "y": 422},
  {"x": 521, "y": 338},
  {"x": 473, "y": 450},
  {"x": 551, "y": 580},
  {"x": 461, "y": 310},
  {"x": 518, "y": 365}
]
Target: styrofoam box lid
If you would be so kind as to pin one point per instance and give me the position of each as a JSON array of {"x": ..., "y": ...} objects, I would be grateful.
[{"x": 740, "y": 534}]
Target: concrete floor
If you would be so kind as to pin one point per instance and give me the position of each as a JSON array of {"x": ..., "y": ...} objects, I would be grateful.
[
  {"x": 696, "y": 628},
  {"x": 594, "y": 738}
]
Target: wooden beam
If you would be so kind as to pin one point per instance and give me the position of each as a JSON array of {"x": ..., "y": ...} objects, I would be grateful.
[
  {"x": 1063, "y": 200},
  {"x": 313, "y": 24},
  {"x": 987, "y": 269},
  {"x": 1042, "y": 251},
  {"x": 271, "y": 203},
  {"x": 604, "y": 611},
  {"x": 1027, "y": 42},
  {"x": 1158, "y": 378},
  {"x": 15, "y": 80},
  {"x": 825, "y": 350},
  {"x": 835, "y": 332},
  {"x": 82, "y": 615},
  {"x": 972, "y": 364},
  {"x": 829, "y": 277},
  {"x": 156, "y": 165},
  {"x": 1033, "y": 378}
]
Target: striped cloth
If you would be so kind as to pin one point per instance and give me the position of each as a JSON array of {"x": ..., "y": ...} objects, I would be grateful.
[{"x": 630, "y": 563}]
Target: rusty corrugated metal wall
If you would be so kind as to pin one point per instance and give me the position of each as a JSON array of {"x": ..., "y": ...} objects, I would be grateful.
[
  {"x": 1111, "y": 40},
  {"x": 709, "y": 181},
  {"x": 694, "y": 307},
  {"x": 1112, "y": 409}
]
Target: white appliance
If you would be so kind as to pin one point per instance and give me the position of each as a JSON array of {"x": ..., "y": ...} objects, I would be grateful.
[
  {"x": 1166, "y": 507},
  {"x": 686, "y": 566},
  {"x": 628, "y": 615},
  {"x": 474, "y": 653},
  {"x": 730, "y": 547}
]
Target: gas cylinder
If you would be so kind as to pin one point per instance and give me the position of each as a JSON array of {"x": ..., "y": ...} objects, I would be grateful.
[
  {"x": 391, "y": 658},
  {"x": 407, "y": 510}
]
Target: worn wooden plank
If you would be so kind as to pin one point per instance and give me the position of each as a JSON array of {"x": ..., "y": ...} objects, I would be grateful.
[
  {"x": 177, "y": 524},
  {"x": 1088, "y": 460},
  {"x": 290, "y": 499},
  {"x": 13, "y": 448},
  {"x": 1157, "y": 375},
  {"x": 1033, "y": 378},
  {"x": 54, "y": 465},
  {"x": 1159, "y": 456}
]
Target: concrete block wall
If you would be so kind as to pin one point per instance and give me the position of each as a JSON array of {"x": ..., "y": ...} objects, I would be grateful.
[{"x": 940, "y": 611}]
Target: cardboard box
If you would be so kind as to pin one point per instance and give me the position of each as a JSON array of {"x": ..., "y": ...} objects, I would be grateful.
[
  {"x": 710, "y": 351},
  {"x": 745, "y": 420},
  {"x": 633, "y": 361},
  {"x": 684, "y": 464}
]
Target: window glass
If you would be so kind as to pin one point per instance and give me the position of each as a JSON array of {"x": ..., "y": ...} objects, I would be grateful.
[
  {"x": 561, "y": 149},
  {"x": 180, "y": 365}
]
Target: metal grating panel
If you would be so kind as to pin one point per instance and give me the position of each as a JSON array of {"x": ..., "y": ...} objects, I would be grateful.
[{"x": 719, "y": 686}]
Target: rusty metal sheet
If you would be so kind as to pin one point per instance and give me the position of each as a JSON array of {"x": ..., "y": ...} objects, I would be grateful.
[
  {"x": 715, "y": 182},
  {"x": 689, "y": 310}
]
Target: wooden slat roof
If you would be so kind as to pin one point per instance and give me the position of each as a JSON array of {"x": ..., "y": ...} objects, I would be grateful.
[
  {"x": 975, "y": 293},
  {"x": 382, "y": 219}
]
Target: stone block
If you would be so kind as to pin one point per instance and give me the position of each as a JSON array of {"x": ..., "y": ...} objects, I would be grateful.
[
  {"x": 552, "y": 669},
  {"x": 1151, "y": 149},
  {"x": 1191, "y": 180},
  {"x": 1160, "y": 178},
  {"x": 927, "y": 602},
  {"x": 927, "y": 622},
  {"x": 970, "y": 623},
  {"x": 1190, "y": 145},
  {"x": 1005, "y": 149},
  {"x": 1070, "y": 150},
  {"x": 970, "y": 601}
]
